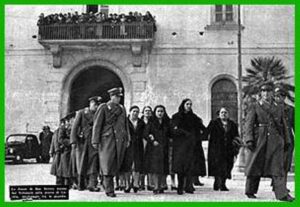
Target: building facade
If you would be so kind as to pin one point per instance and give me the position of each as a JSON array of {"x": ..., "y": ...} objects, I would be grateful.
[{"x": 193, "y": 54}]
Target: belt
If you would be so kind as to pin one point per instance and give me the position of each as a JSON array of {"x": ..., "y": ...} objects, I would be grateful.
[{"x": 263, "y": 125}]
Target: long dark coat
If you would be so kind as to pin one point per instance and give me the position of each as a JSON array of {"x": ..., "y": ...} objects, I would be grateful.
[
  {"x": 45, "y": 140},
  {"x": 222, "y": 148},
  {"x": 266, "y": 127},
  {"x": 289, "y": 115},
  {"x": 188, "y": 155},
  {"x": 87, "y": 159},
  {"x": 134, "y": 154},
  {"x": 65, "y": 159},
  {"x": 55, "y": 151},
  {"x": 110, "y": 131},
  {"x": 156, "y": 157}
]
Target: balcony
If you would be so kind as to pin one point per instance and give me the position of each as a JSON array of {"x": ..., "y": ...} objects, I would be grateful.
[{"x": 137, "y": 35}]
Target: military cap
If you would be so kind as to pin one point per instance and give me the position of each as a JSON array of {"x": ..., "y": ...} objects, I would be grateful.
[
  {"x": 70, "y": 115},
  {"x": 115, "y": 91},
  {"x": 266, "y": 86},
  {"x": 280, "y": 91},
  {"x": 97, "y": 99}
]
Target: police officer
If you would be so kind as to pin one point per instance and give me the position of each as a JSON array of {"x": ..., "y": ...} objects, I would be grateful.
[
  {"x": 86, "y": 156},
  {"x": 265, "y": 137},
  {"x": 111, "y": 137}
]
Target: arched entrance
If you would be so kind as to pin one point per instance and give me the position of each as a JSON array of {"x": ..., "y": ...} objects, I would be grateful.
[
  {"x": 95, "y": 81},
  {"x": 224, "y": 93},
  {"x": 92, "y": 77}
]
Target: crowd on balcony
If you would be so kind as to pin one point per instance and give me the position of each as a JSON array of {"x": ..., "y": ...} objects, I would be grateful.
[
  {"x": 99, "y": 17},
  {"x": 97, "y": 25}
]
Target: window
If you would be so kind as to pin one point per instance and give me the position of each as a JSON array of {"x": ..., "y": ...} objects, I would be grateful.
[
  {"x": 92, "y": 8},
  {"x": 223, "y": 13},
  {"x": 223, "y": 17}
]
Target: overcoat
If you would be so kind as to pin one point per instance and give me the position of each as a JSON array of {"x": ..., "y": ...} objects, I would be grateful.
[
  {"x": 111, "y": 133},
  {"x": 45, "y": 140},
  {"x": 289, "y": 115},
  {"x": 55, "y": 151},
  {"x": 156, "y": 157},
  {"x": 65, "y": 159},
  {"x": 87, "y": 159},
  {"x": 134, "y": 154},
  {"x": 266, "y": 127},
  {"x": 222, "y": 147},
  {"x": 188, "y": 155}
]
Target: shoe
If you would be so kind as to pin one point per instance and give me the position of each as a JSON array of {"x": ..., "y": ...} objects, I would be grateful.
[
  {"x": 216, "y": 188},
  {"x": 81, "y": 189},
  {"x": 198, "y": 183},
  {"x": 135, "y": 189},
  {"x": 118, "y": 188},
  {"x": 287, "y": 198},
  {"x": 74, "y": 187},
  {"x": 155, "y": 192},
  {"x": 179, "y": 192},
  {"x": 224, "y": 188},
  {"x": 189, "y": 191},
  {"x": 173, "y": 188},
  {"x": 127, "y": 190},
  {"x": 165, "y": 188},
  {"x": 112, "y": 195},
  {"x": 250, "y": 195},
  {"x": 93, "y": 189},
  {"x": 150, "y": 188},
  {"x": 161, "y": 191},
  {"x": 141, "y": 188}
]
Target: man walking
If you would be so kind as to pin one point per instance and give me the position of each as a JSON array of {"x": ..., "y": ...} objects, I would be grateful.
[
  {"x": 110, "y": 137},
  {"x": 86, "y": 156},
  {"x": 266, "y": 139}
]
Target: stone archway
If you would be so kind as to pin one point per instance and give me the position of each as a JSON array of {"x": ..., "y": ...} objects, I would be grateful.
[{"x": 92, "y": 77}]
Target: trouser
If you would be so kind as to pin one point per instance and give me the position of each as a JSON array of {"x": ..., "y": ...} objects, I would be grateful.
[
  {"x": 185, "y": 182},
  {"x": 81, "y": 182},
  {"x": 135, "y": 179},
  {"x": 59, "y": 180},
  {"x": 142, "y": 180},
  {"x": 150, "y": 180},
  {"x": 92, "y": 180},
  {"x": 108, "y": 183},
  {"x": 164, "y": 181},
  {"x": 279, "y": 186},
  {"x": 220, "y": 182},
  {"x": 157, "y": 181},
  {"x": 67, "y": 182}
]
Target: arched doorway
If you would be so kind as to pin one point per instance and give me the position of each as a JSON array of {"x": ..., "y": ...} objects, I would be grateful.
[
  {"x": 224, "y": 93},
  {"x": 94, "y": 81}
]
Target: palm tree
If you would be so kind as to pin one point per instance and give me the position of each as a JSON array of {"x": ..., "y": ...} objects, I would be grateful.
[{"x": 266, "y": 69}]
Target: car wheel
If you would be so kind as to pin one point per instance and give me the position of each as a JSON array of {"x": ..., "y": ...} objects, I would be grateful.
[{"x": 18, "y": 159}]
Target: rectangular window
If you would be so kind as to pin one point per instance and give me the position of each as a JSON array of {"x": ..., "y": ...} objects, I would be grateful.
[
  {"x": 92, "y": 8},
  {"x": 219, "y": 13},
  {"x": 224, "y": 13},
  {"x": 229, "y": 13}
]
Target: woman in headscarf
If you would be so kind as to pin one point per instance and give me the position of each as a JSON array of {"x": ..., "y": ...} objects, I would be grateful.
[
  {"x": 187, "y": 127},
  {"x": 157, "y": 134},
  {"x": 224, "y": 144}
]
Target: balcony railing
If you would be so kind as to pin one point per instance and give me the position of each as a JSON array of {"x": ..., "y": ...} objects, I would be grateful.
[{"x": 136, "y": 30}]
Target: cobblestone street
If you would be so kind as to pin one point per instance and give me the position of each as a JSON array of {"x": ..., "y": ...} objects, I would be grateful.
[{"x": 38, "y": 174}]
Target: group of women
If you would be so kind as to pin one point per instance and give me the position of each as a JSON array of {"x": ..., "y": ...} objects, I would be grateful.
[{"x": 162, "y": 146}]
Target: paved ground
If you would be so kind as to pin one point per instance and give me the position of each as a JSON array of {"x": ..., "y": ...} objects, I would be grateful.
[{"x": 38, "y": 174}]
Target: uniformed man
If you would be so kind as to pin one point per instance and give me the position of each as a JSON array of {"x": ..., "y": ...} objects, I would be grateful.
[
  {"x": 280, "y": 96},
  {"x": 86, "y": 156},
  {"x": 111, "y": 137},
  {"x": 266, "y": 138}
]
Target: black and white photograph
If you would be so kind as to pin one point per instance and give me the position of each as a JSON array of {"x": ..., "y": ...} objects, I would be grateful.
[{"x": 151, "y": 103}]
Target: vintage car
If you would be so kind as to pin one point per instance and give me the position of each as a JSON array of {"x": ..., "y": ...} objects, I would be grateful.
[{"x": 22, "y": 146}]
